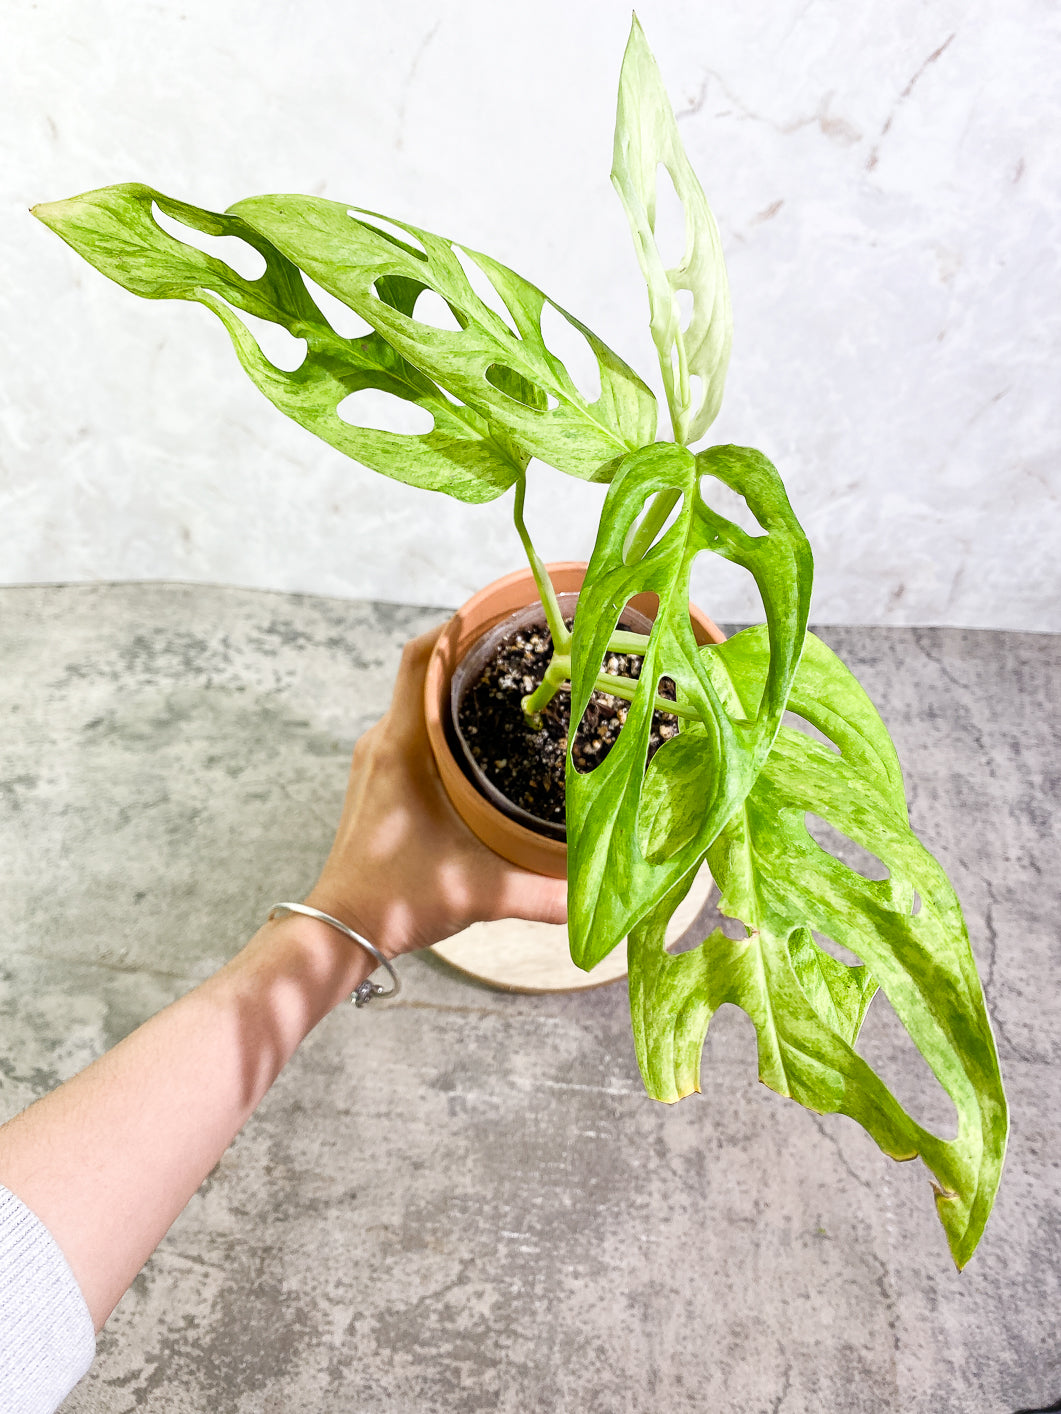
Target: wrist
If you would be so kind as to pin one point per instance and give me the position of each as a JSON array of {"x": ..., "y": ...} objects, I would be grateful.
[
  {"x": 308, "y": 958},
  {"x": 386, "y": 922}
]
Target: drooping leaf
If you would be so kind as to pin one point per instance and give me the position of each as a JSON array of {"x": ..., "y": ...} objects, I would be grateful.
[
  {"x": 632, "y": 836},
  {"x": 340, "y": 248},
  {"x": 807, "y": 1006},
  {"x": 646, "y": 141},
  {"x": 114, "y": 230}
]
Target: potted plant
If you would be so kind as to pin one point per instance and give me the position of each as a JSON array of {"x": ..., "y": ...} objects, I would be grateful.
[{"x": 733, "y": 785}]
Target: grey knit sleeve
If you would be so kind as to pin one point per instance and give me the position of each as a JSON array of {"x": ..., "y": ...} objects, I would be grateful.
[{"x": 47, "y": 1341}]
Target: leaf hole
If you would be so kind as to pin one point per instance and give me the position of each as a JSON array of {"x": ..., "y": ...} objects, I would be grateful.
[
  {"x": 686, "y": 306},
  {"x": 846, "y": 850},
  {"x": 392, "y": 231},
  {"x": 660, "y": 534},
  {"x": 379, "y": 411},
  {"x": 573, "y": 349},
  {"x": 668, "y": 223},
  {"x": 397, "y": 292},
  {"x": 432, "y": 309},
  {"x": 724, "y": 501},
  {"x": 725, "y": 589},
  {"x": 731, "y": 1040},
  {"x": 646, "y": 604},
  {"x": 513, "y": 385},
  {"x": 340, "y": 317},
  {"x": 705, "y": 923},
  {"x": 604, "y": 719},
  {"x": 239, "y": 255},
  {"x": 800, "y": 724},
  {"x": 885, "y": 1044},
  {"x": 915, "y": 907},
  {"x": 836, "y": 950},
  {"x": 278, "y": 345},
  {"x": 483, "y": 288}
]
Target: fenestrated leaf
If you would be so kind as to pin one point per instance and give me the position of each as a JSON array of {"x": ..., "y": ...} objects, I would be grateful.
[
  {"x": 463, "y": 455},
  {"x": 646, "y": 138},
  {"x": 696, "y": 781},
  {"x": 633, "y": 836},
  {"x": 347, "y": 255},
  {"x": 781, "y": 884}
]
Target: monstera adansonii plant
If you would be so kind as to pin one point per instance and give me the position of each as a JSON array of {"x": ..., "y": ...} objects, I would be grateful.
[{"x": 739, "y": 784}]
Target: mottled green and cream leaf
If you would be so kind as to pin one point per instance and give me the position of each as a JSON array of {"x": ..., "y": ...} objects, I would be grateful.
[
  {"x": 807, "y": 1006},
  {"x": 649, "y": 149},
  {"x": 496, "y": 394},
  {"x": 340, "y": 248},
  {"x": 114, "y": 229},
  {"x": 634, "y": 835}
]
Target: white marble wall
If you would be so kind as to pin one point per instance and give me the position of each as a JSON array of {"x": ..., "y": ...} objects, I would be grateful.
[{"x": 886, "y": 182}]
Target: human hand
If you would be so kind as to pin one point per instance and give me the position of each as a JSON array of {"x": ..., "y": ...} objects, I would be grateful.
[{"x": 404, "y": 869}]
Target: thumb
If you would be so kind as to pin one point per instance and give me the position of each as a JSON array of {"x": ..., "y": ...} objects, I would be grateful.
[{"x": 532, "y": 896}]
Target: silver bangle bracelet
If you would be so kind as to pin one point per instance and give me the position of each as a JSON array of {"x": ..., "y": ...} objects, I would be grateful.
[{"x": 367, "y": 989}]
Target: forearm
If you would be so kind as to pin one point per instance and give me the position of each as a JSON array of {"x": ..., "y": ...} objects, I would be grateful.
[{"x": 109, "y": 1160}]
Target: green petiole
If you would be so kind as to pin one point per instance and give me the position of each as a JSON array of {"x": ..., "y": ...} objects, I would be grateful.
[
  {"x": 557, "y": 677},
  {"x": 558, "y": 673},
  {"x": 553, "y": 617}
]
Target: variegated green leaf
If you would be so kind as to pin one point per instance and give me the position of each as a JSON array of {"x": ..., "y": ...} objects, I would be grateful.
[
  {"x": 632, "y": 836},
  {"x": 646, "y": 140},
  {"x": 115, "y": 231},
  {"x": 340, "y": 248},
  {"x": 807, "y": 1006}
]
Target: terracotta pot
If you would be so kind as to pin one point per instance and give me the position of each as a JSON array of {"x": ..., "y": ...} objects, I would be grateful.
[{"x": 510, "y": 839}]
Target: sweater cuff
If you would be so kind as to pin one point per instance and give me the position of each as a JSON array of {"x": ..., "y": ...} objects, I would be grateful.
[{"x": 47, "y": 1340}]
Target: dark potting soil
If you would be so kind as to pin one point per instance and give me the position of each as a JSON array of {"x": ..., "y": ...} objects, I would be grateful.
[{"x": 527, "y": 766}]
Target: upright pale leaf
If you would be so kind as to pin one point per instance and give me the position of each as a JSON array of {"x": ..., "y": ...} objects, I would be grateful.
[
  {"x": 646, "y": 141},
  {"x": 633, "y": 836},
  {"x": 807, "y": 1007}
]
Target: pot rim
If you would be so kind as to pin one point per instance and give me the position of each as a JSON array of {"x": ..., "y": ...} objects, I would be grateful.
[
  {"x": 479, "y": 654},
  {"x": 490, "y": 605}
]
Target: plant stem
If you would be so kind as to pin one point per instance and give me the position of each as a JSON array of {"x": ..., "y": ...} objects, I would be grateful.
[
  {"x": 626, "y": 687},
  {"x": 557, "y": 675},
  {"x": 640, "y": 540},
  {"x": 553, "y": 617},
  {"x": 680, "y": 423},
  {"x": 623, "y": 642}
]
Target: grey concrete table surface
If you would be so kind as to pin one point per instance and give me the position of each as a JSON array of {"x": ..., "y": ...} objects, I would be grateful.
[{"x": 464, "y": 1201}]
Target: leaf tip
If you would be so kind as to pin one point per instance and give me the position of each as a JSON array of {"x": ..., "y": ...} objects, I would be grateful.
[
  {"x": 47, "y": 212},
  {"x": 963, "y": 1237},
  {"x": 60, "y": 216},
  {"x": 636, "y": 41}
]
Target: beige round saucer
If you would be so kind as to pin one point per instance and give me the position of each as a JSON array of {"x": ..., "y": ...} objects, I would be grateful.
[{"x": 516, "y": 956}]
